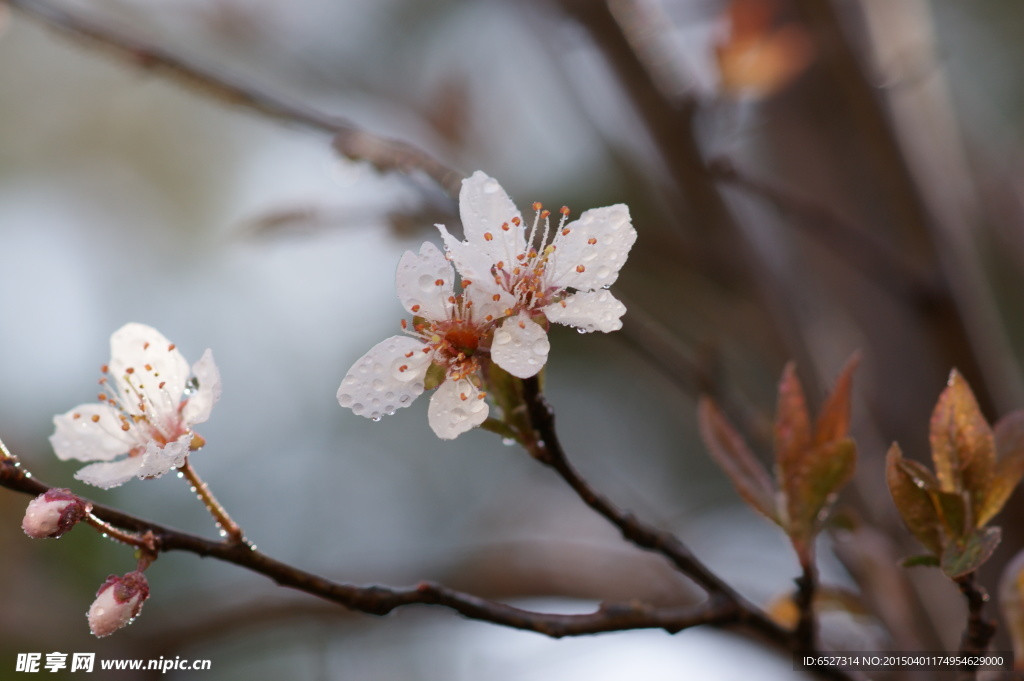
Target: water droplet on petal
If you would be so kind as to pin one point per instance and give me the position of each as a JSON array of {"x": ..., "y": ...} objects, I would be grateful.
[
  {"x": 375, "y": 418},
  {"x": 508, "y": 441},
  {"x": 501, "y": 337}
]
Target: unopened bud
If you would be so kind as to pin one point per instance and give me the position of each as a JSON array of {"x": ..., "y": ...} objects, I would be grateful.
[
  {"x": 53, "y": 513},
  {"x": 117, "y": 603}
]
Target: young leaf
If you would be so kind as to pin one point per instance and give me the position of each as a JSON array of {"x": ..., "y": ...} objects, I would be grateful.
[
  {"x": 812, "y": 481},
  {"x": 834, "y": 420},
  {"x": 729, "y": 450},
  {"x": 910, "y": 493},
  {"x": 792, "y": 424},
  {"x": 960, "y": 558},
  {"x": 1009, "y": 438},
  {"x": 962, "y": 444},
  {"x": 953, "y": 511}
]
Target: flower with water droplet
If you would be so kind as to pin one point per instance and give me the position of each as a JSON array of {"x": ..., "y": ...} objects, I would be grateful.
[
  {"x": 53, "y": 513},
  {"x": 147, "y": 410},
  {"x": 117, "y": 603},
  {"x": 448, "y": 332},
  {"x": 539, "y": 277}
]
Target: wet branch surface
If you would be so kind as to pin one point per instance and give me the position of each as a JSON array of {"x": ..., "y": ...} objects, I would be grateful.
[
  {"x": 979, "y": 632},
  {"x": 349, "y": 140},
  {"x": 547, "y": 449}
]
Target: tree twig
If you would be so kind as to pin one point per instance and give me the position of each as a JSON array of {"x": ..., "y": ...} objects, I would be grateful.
[
  {"x": 979, "y": 631},
  {"x": 349, "y": 140},
  {"x": 380, "y": 600},
  {"x": 546, "y": 448}
]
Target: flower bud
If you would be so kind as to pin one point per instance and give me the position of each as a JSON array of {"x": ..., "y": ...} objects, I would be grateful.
[
  {"x": 117, "y": 603},
  {"x": 53, "y": 513}
]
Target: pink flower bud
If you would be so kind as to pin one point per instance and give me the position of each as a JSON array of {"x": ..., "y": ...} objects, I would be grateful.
[
  {"x": 117, "y": 603},
  {"x": 53, "y": 513}
]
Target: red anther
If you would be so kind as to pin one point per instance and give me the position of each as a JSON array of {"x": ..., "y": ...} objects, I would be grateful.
[
  {"x": 145, "y": 346},
  {"x": 580, "y": 268},
  {"x": 496, "y": 297},
  {"x": 592, "y": 241},
  {"x": 488, "y": 236},
  {"x": 415, "y": 308},
  {"x": 565, "y": 232},
  {"x": 439, "y": 282},
  {"x": 125, "y": 427},
  {"x": 410, "y": 353},
  {"x": 170, "y": 348},
  {"x": 95, "y": 418},
  {"x": 564, "y": 210},
  {"x": 104, "y": 369},
  {"x": 101, "y": 397},
  {"x": 516, "y": 221},
  {"x": 162, "y": 384},
  {"x": 504, "y": 226},
  {"x": 149, "y": 367},
  {"x": 404, "y": 367},
  {"x": 537, "y": 205},
  {"x": 130, "y": 370},
  {"x": 466, "y": 282},
  {"x": 76, "y": 415},
  {"x": 545, "y": 214}
]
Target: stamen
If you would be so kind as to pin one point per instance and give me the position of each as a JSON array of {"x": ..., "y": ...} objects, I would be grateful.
[
  {"x": 516, "y": 221},
  {"x": 592, "y": 241},
  {"x": 580, "y": 268},
  {"x": 170, "y": 348},
  {"x": 95, "y": 418},
  {"x": 145, "y": 346},
  {"x": 130, "y": 370},
  {"x": 439, "y": 282},
  {"x": 415, "y": 308},
  {"x": 488, "y": 236}
]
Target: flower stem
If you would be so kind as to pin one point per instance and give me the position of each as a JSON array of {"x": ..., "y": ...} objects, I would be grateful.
[
  {"x": 144, "y": 542},
  {"x": 979, "y": 630},
  {"x": 202, "y": 490}
]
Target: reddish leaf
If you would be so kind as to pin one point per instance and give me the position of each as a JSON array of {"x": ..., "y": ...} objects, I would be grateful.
[
  {"x": 961, "y": 558},
  {"x": 1009, "y": 439},
  {"x": 729, "y": 450},
  {"x": 910, "y": 493},
  {"x": 834, "y": 420},
  {"x": 962, "y": 444},
  {"x": 792, "y": 424},
  {"x": 811, "y": 484}
]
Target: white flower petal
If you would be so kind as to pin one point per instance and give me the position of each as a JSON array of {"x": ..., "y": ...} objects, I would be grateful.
[
  {"x": 95, "y": 435},
  {"x": 485, "y": 207},
  {"x": 153, "y": 462},
  {"x": 455, "y": 407},
  {"x": 157, "y": 459},
  {"x": 153, "y": 360},
  {"x": 377, "y": 383},
  {"x": 520, "y": 346},
  {"x": 472, "y": 262},
  {"x": 197, "y": 409},
  {"x": 589, "y": 311},
  {"x": 417, "y": 282},
  {"x": 107, "y": 475},
  {"x": 590, "y": 251}
]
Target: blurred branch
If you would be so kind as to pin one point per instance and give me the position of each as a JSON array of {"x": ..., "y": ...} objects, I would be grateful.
[
  {"x": 349, "y": 140},
  {"x": 379, "y": 600},
  {"x": 860, "y": 249}
]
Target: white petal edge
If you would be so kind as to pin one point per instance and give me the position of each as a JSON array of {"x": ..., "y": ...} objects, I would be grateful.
[
  {"x": 200, "y": 403},
  {"x": 589, "y": 311},
  {"x": 377, "y": 384},
  {"x": 416, "y": 282},
  {"x": 137, "y": 346},
  {"x": 87, "y": 440},
  {"x": 484, "y": 207},
  {"x": 455, "y": 407},
  {"x": 520, "y": 346},
  {"x": 577, "y": 263},
  {"x": 154, "y": 462}
]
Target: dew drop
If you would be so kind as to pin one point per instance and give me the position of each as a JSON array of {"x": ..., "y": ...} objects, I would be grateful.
[
  {"x": 491, "y": 186},
  {"x": 375, "y": 418},
  {"x": 344, "y": 400},
  {"x": 603, "y": 271},
  {"x": 426, "y": 283},
  {"x": 501, "y": 337},
  {"x": 541, "y": 346},
  {"x": 508, "y": 441}
]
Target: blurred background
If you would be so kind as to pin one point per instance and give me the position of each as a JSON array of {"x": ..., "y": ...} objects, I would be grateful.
[{"x": 807, "y": 178}]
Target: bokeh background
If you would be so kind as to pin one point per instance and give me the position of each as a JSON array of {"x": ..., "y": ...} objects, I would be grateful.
[{"x": 807, "y": 178}]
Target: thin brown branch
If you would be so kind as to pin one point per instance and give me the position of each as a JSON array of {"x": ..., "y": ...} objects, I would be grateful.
[
  {"x": 979, "y": 632},
  {"x": 380, "y": 600},
  {"x": 805, "y": 634},
  {"x": 547, "y": 449},
  {"x": 224, "y": 522},
  {"x": 349, "y": 140}
]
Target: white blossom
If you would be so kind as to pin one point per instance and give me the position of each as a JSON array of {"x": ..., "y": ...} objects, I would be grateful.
[
  {"x": 539, "y": 277},
  {"x": 147, "y": 410},
  {"x": 118, "y": 602},
  {"x": 449, "y": 331}
]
